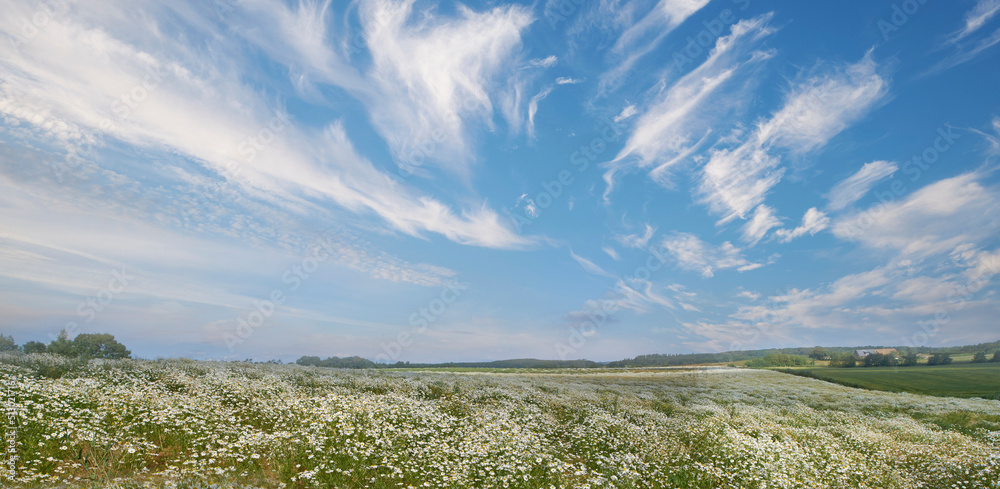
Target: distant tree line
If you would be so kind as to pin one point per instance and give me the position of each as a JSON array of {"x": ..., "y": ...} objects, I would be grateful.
[
  {"x": 779, "y": 360},
  {"x": 87, "y": 345},
  {"x": 336, "y": 362}
]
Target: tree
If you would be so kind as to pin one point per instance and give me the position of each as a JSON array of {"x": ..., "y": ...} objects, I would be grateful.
[
  {"x": 979, "y": 357},
  {"x": 819, "y": 353},
  {"x": 880, "y": 360},
  {"x": 910, "y": 359},
  {"x": 7, "y": 343},
  {"x": 99, "y": 346},
  {"x": 33, "y": 347},
  {"x": 940, "y": 359},
  {"x": 844, "y": 360},
  {"x": 62, "y": 345},
  {"x": 996, "y": 356}
]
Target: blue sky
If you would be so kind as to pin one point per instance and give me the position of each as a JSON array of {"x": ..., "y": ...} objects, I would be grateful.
[{"x": 421, "y": 181}]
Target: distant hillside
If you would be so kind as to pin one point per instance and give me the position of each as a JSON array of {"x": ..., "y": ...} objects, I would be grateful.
[
  {"x": 358, "y": 362},
  {"x": 515, "y": 363},
  {"x": 659, "y": 360},
  {"x": 652, "y": 360}
]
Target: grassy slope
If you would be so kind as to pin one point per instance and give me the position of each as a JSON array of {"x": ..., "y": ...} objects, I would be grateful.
[{"x": 956, "y": 380}]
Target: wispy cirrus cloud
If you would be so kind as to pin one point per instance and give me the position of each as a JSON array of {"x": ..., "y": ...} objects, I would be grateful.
[
  {"x": 934, "y": 219},
  {"x": 691, "y": 253},
  {"x": 975, "y": 19},
  {"x": 853, "y": 188},
  {"x": 735, "y": 181},
  {"x": 675, "y": 123},
  {"x": 763, "y": 220},
  {"x": 813, "y": 222},
  {"x": 195, "y": 107},
  {"x": 434, "y": 74},
  {"x": 641, "y": 37}
]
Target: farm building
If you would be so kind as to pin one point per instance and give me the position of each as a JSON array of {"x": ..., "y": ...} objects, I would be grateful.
[{"x": 865, "y": 353}]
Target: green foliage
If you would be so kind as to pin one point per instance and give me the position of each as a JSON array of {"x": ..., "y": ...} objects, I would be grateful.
[
  {"x": 996, "y": 356},
  {"x": 880, "y": 360},
  {"x": 979, "y": 357},
  {"x": 7, "y": 343},
  {"x": 910, "y": 359},
  {"x": 62, "y": 345},
  {"x": 33, "y": 347},
  {"x": 819, "y": 353},
  {"x": 337, "y": 362},
  {"x": 844, "y": 360},
  {"x": 956, "y": 380},
  {"x": 940, "y": 359},
  {"x": 88, "y": 345},
  {"x": 99, "y": 346},
  {"x": 779, "y": 360}
]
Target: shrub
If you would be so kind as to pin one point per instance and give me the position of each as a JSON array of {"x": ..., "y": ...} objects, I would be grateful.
[
  {"x": 844, "y": 360},
  {"x": 880, "y": 360},
  {"x": 33, "y": 347},
  {"x": 979, "y": 357},
  {"x": 940, "y": 359},
  {"x": 7, "y": 343}
]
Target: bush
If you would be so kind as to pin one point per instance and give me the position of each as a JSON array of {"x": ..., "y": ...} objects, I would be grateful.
[
  {"x": 909, "y": 360},
  {"x": 979, "y": 357},
  {"x": 819, "y": 353},
  {"x": 99, "y": 346},
  {"x": 844, "y": 360},
  {"x": 33, "y": 347},
  {"x": 880, "y": 360},
  {"x": 996, "y": 356},
  {"x": 940, "y": 359}
]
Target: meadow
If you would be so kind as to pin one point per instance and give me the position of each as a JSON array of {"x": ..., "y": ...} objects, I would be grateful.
[
  {"x": 955, "y": 380},
  {"x": 180, "y": 423}
]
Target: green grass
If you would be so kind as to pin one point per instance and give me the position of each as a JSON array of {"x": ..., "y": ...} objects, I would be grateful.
[{"x": 956, "y": 380}]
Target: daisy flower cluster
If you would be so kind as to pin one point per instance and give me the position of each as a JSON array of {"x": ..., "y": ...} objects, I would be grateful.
[{"x": 182, "y": 423}]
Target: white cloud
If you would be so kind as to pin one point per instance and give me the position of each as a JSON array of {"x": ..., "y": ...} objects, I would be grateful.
[
  {"x": 646, "y": 34},
  {"x": 628, "y": 111},
  {"x": 933, "y": 219},
  {"x": 203, "y": 110},
  {"x": 637, "y": 240},
  {"x": 856, "y": 186},
  {"x": 757, "y": 227},
  {"x": 589, "y": 266},
  {"x": 434, "y": 75},
  {"x": 670, "y": 129},
  {"x": 612, "y": 253},
  {"x": 736, "y": 181},
  {"x": 567, "y": 80},
  {"x": 981, "y": 13},
  {"x": 694, "y": 254},
  {"x": 813, "y": 222},
  {"x": 533, "y": 108}
]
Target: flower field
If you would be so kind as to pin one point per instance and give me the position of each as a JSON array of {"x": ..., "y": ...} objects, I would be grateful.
[{"x": 179, "y": 423}]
